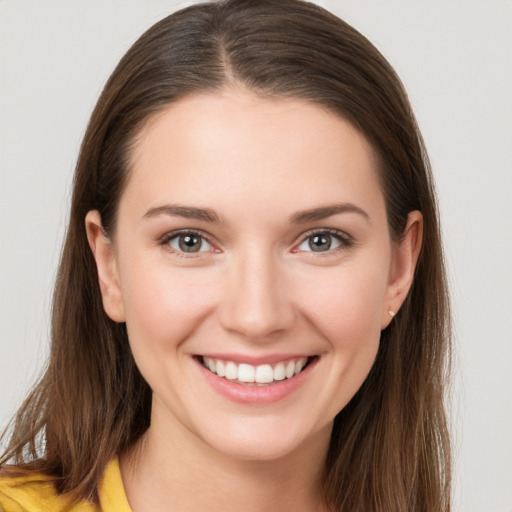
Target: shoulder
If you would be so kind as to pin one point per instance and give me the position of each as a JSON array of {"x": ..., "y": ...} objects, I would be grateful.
[{"x": 35, "y": 493}]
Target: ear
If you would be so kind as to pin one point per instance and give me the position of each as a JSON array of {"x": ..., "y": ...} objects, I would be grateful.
[
  {"x": 404, "y": 259},
  {"x": 108, "y": 276}
]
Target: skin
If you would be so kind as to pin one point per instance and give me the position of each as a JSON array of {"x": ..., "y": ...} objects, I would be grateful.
[{"x": 256, "y": 289}]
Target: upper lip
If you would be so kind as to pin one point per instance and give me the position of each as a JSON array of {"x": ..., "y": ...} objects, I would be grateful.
[{"x": 256, "y": 360}]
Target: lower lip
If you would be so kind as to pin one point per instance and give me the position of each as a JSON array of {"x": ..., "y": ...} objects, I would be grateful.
[{"x": 255, "y": 394}]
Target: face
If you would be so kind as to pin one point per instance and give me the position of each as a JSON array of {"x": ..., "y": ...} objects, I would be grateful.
[{"x": 254, "y": 269}]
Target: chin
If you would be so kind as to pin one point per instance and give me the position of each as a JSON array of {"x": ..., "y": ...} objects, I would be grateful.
[
  {"x": 255, "y": 450},
  {"x": 255, "y": 441}
]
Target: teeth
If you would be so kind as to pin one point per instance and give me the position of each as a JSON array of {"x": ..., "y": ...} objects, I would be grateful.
[
  {"x": 289, "y": 370},
  {"x": 262, "y": 374},
  {"x": 219, "y": 369},
  {"x": 246, "y": 373},
  {"x": 279, "y": 372},
  {"x": 231, "y": 371}
]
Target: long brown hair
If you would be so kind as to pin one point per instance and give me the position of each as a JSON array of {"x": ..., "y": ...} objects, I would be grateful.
[{"x": 390, "y": 447}]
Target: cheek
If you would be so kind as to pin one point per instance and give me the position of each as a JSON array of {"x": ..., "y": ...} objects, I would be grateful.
[
  {"x": 163, "y": 304},
  {"x": 346, "y": 310},
  {"x": 346, "y": 303}
]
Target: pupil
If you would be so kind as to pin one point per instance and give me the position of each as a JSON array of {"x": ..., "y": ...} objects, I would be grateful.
[
  {"x": 320, "y": 243},
  {"x": 190, "y": 243}
]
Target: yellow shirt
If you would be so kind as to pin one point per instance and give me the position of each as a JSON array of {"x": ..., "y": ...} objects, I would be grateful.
[{"x": 35, "y": 493}]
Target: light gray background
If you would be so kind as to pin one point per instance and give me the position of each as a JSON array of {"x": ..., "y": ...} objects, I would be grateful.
[{"x": 455, "y": 59}]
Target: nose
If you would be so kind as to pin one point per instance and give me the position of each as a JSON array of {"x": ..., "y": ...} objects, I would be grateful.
[{"x": 256, "y": 302}]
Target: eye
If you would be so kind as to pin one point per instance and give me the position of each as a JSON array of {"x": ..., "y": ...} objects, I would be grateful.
[
  {"x": 189, "y": 242},
  {"x": 324, "y": 241}
]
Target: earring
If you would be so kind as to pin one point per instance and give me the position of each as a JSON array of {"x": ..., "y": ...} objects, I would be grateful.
[{"x": 391, "y": 313}]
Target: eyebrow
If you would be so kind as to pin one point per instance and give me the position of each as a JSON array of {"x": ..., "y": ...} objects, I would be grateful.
[
  {"x": 209, "y": 215},
  {"x": 326, "y": 211},
  {"x": 188, "y": 212}
]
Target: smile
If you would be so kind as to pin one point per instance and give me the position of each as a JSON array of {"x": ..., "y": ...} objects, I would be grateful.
[
  {"x": 263, "y": 374},
  {"x": 266, "y": 381}
]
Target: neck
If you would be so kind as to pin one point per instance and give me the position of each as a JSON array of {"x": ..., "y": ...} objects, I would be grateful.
[{"x": 184, "y": 471}]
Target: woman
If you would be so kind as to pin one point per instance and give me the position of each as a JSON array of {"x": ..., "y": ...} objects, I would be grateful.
[{"x": 251, "y": 307}]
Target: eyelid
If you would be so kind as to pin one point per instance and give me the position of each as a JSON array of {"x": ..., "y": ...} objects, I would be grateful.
[
  {"x": 167, "y": 237},
  {"x": 345, "y": 239}
]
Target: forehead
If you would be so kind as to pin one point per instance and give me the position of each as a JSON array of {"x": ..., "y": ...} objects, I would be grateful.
[{"x": 252, "y": 150}]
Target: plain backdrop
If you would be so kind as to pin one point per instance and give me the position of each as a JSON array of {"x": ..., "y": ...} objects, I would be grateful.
[{"x": 455, "y": 60}]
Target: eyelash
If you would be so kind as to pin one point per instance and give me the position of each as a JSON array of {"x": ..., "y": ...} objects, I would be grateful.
[
  {"x": 346, "y": 241},
  {"x": 168, "y": 237}
]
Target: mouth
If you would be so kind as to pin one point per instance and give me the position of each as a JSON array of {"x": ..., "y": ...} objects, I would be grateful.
[{"x": 257, "y": 375}]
